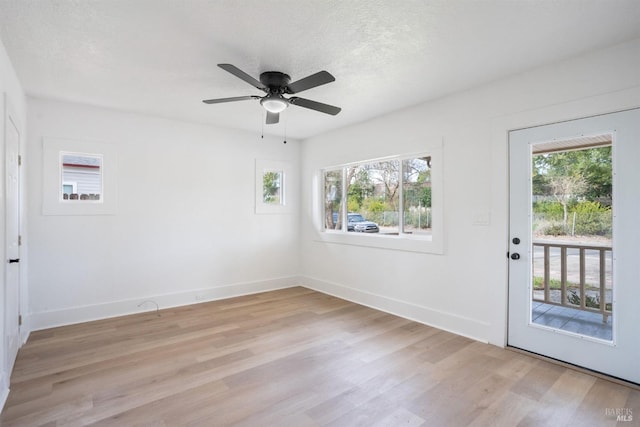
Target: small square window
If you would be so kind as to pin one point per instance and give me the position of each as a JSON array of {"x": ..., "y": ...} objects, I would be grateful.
[
  {"x": 79, "y": 178},
  {"x": 272, "y": 187}
]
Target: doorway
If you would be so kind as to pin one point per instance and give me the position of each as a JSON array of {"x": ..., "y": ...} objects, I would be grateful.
[
  {"x": 12, "y": 236},
  {"x": 574, "y": 242}
]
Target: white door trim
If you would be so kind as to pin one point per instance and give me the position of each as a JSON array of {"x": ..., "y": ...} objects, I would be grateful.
[{"x": 569, "y": 109}]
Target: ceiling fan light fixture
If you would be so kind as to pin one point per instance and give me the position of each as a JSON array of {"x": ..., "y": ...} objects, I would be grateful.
[{"x": 274, "y": 103}]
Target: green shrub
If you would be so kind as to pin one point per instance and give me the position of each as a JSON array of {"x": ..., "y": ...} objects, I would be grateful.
[
  {"x": 589, "y": 301},
  {"x": 555, "y": 229},
  {"x": 551, "y": 211},
  {"x": 352, "y": 204},
  {"x": 538, "y": 283},
  {"x": 374, "y": 205},
  {"x": 592, "y": 219}
]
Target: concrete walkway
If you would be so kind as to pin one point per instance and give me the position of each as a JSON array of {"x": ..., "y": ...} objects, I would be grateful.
[{"x": 572, "y": 320}]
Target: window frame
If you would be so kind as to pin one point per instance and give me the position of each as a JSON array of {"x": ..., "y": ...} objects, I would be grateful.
[
  {"x": 266, "y": 166},
  {"x": 402, "y": 240},
  {"x": 53, "y": 202}
]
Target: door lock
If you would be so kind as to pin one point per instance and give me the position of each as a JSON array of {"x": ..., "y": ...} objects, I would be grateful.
[
  {"x": 11, "y": 261},
  {"x": 515, "y": 255}
]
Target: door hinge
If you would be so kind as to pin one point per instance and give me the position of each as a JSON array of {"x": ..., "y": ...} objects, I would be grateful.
[
  {"x": 19, "y": 160},
  {"x": 19, "y": 319},
  {"x": 19, "y": 240}
]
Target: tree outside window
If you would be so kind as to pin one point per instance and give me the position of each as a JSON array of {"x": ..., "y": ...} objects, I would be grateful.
[
  {"x": 332, "y": 200},
  {"x": 572, "y": 192},
  {"x": 373, "y": 192},
  {"x": 416, "y": 187},
  {"x": 272, "y": 187}
]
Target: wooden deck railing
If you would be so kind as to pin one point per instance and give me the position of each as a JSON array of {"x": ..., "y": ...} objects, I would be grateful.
[{"x": 578, "y": 290}]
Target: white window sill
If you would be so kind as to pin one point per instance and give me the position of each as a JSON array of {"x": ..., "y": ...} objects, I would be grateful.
[{"x": 404, "y": 242}]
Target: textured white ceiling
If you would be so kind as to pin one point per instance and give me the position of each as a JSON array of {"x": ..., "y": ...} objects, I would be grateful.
[{"x": 159, "y": 56}]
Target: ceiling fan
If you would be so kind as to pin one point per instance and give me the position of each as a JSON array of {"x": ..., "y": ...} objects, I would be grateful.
[{"x": 275, "y": 84}]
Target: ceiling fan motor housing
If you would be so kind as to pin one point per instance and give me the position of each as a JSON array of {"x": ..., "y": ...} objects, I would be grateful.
[{"x": 275, "y": 81}]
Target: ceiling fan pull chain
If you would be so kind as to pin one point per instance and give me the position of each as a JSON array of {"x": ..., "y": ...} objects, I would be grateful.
[{"x": 285, "y": 128}]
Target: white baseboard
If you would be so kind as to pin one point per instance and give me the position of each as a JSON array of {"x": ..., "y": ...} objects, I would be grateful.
[
  {"x": 54, "y": 318},
  {"x": 4, "y": 390},
  {"x": 25, "y": 330},
  {"x": 450, "y": 322}
]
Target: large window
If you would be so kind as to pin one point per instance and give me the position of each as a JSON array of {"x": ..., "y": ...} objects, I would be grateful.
[{"x": 385, "y": 197}]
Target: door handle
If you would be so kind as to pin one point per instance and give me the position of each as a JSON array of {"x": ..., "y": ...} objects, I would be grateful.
[
  {"x": 515, "y": 255},
  {"x": 11, "y": 261}
]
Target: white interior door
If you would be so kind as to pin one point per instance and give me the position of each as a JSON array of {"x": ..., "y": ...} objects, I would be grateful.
[
  {"x": 594, "y": 318},
  {"x": 12, "y": 232}
]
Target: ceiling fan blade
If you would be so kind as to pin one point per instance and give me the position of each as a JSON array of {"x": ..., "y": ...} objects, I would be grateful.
[
  {"x": 235, "y": 98},
  {"x": 317, "y": 79},
  {"x": 314, "y": 105},
  {"x": 272, "y": 118},
  {"x": 243, "y": 76}
]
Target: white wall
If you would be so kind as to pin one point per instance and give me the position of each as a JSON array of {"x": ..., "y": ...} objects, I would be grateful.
[
  {"x": 11, "y": 89},
  {"x": 464, "y": 290},
  {"x": 185, "y": 230}
]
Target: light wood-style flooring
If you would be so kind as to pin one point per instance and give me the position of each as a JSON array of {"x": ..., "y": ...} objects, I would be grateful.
[{"x": 292, "y": 357}]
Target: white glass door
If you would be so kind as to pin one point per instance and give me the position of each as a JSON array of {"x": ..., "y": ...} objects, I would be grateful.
[{"x": 574, "y": 274}]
